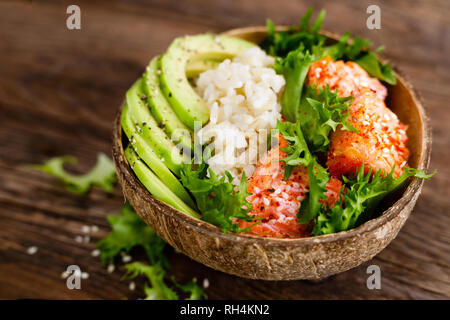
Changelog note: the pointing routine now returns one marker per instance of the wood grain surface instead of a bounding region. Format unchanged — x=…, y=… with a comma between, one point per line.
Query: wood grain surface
x=59, y=90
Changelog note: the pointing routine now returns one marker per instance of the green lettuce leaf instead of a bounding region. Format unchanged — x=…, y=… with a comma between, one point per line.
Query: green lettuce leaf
x=103, y=174
x=360, y=199
x=294, y=69
x=280, y=43
x=322, y=111
x=129, y=231
x=218, y=199
x=283, y=43
x=157, y=290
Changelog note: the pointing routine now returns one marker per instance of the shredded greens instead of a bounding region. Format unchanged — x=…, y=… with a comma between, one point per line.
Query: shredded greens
x=103, y=174
x=218, y=199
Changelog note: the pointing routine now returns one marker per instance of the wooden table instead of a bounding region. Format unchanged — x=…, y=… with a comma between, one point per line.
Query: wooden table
x=59, y=91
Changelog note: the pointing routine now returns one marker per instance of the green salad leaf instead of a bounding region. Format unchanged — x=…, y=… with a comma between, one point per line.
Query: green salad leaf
x=294, y=68
x=281, y=43
x=322, y=111
x=129, y=231
x=358, y=50
x=156, y=288
x=311, y=205
x=359, y=198
x=299, y=154
x=103, y=174
x=218, y=199
x=193, y=289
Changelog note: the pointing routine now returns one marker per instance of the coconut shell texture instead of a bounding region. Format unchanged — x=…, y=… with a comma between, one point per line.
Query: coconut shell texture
x=311, y=258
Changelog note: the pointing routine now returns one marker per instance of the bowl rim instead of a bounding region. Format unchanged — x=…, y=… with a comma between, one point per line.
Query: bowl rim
x=204, y=227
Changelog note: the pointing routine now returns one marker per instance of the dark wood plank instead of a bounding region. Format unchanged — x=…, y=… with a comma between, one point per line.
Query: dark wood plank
x=59, y=91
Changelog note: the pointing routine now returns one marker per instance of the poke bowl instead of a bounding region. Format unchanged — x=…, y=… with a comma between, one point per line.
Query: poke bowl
x=253, y=256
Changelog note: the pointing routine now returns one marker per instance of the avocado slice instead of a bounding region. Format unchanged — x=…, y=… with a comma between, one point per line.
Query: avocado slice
x=146, y=153
x=155, y=136
x=161, y=109
x=156, y=187
x=186, y=103
x=195, y=67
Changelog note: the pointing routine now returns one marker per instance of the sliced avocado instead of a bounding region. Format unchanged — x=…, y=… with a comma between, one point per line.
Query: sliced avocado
x=146, y=153
x=161, y=109
x=156, y=138
x=195, y=67
x=158, y=189
x=186, y=103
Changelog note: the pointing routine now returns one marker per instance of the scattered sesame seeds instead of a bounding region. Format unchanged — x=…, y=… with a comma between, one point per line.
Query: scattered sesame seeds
x=32, y=250
x=205, y=283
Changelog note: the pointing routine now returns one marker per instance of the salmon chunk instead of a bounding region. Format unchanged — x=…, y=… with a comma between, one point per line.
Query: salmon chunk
x=380, y=142
x=347, y=77
x=277, y=201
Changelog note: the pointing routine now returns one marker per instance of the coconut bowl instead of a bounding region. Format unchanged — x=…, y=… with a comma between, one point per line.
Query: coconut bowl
x=311, y=258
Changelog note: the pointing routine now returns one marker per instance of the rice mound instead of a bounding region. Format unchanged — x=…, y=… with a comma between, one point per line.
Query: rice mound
x=243, y=96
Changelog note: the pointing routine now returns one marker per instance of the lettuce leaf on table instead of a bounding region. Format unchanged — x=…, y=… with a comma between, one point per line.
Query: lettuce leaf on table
x=103, y=174
x=130, y=231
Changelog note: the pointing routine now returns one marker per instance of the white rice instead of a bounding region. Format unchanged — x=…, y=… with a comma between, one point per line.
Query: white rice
x=244, y=100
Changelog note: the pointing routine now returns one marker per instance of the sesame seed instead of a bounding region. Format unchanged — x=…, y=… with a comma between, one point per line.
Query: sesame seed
x=132, y=286
x=32, y=250
x=95, y=253
x=86, y=239
x=79, y=239
x=85, y=229
x=94, y=228
x=84, y=275
x=205, y=283
x=126, y=258
x=111, y=268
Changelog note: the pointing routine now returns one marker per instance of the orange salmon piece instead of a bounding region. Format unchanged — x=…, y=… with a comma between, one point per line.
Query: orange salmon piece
x=347, y=77
x=380, y=142
x=277, y=200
